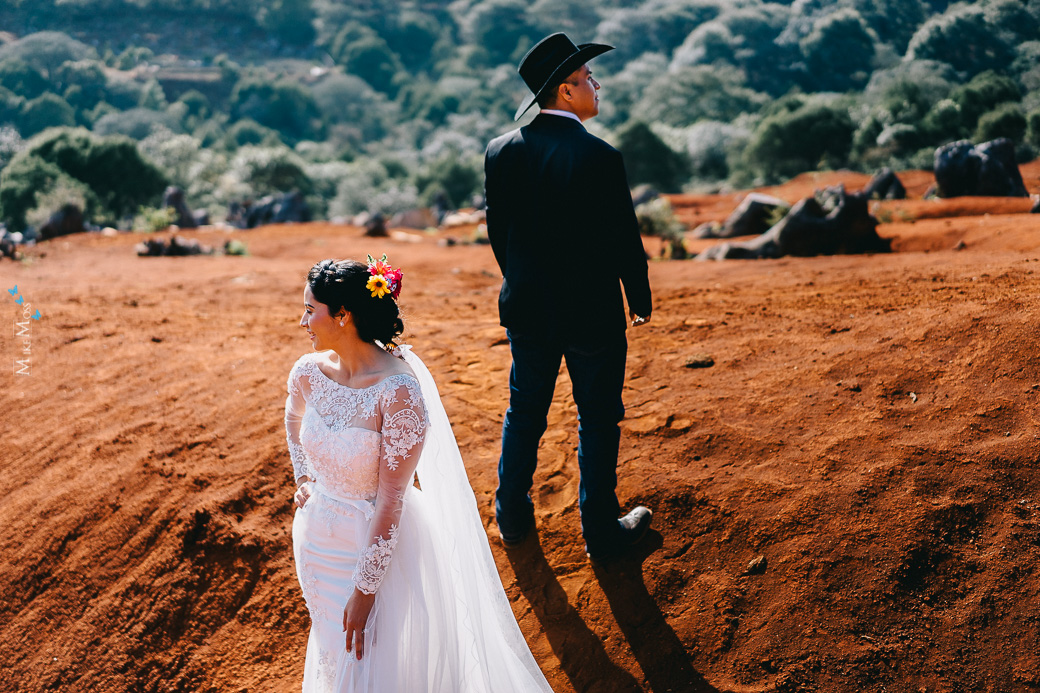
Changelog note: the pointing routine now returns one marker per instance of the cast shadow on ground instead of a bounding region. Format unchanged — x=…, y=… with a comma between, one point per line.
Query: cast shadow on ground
x=582, y=656
x=661, y=655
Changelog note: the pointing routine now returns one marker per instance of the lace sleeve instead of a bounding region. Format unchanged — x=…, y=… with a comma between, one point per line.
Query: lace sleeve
x=295, y=406
x=403, y=430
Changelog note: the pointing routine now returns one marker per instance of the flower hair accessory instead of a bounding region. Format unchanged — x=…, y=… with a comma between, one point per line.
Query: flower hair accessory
x=384, y=280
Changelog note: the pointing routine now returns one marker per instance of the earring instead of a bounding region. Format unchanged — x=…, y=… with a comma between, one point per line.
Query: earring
x=341, y=323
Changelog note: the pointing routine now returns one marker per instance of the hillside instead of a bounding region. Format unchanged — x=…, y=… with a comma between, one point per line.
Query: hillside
x=867, y=427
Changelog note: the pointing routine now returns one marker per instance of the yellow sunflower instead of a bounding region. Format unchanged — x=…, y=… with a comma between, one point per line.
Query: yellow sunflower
x=378, y=285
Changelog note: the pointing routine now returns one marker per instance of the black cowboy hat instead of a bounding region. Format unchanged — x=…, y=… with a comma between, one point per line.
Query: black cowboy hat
x=552, y=59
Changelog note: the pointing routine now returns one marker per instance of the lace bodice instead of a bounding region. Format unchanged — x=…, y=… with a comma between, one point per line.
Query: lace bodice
x=357, y=443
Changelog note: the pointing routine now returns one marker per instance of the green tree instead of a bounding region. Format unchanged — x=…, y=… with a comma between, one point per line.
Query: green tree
x=412, y=38
x=458, y=179
x=137, y=123
x=47, y=50
x=696, y=93
x=649, y=160
x=502, y=30
x=982, y=94
x=811, y=136
x=19, y=182
x=839, y=51
x=22, y=78
x=112, y=167
x=47, y=111
x=963, y=38
x=281, y=105
x=292, y=21
x=371, y=59
x=894, y=21
x=82, y=82
x=1007, y=120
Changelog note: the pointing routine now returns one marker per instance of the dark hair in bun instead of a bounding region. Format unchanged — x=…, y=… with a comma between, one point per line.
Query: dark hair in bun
x=342, y=284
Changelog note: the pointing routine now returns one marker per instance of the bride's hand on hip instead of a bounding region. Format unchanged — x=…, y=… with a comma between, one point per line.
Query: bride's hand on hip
x=355, y=616
x=303, y=492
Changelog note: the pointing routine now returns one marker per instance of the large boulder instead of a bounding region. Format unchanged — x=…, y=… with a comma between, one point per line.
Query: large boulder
x=988, y=170
x=421, y=218
x=832, y=223
x=282, y=208
x=176, y=247
x=173, y=198
x=67, y=220
x=752, y=217
x=885, y=185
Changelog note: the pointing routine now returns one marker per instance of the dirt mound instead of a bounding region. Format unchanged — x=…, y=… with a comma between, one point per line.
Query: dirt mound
x=867, y=429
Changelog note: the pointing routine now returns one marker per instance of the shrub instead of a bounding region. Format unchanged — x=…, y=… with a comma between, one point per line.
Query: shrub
x=1007, y=120
x=290, y=20
x=64, y=191
x=839, y=51
x=787, y=143
x=20, y=181
x=710, y=145
x=46, y=50
x=649, y=160
x=248, y=132
x=22, y=78
x=152, y=219
x=1033, y=128
x=47, y=111
x=283, y=106
x=111, y=167
x=458, y=179
x=947, y=37
x=82, y=82
x=696, y=93
x=982, y=94
x=501, y=29
x=270, y=169
x=656, y=218
x=137, y=123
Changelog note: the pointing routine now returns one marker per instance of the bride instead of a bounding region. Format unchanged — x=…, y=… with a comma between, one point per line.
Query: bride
x=398, y=577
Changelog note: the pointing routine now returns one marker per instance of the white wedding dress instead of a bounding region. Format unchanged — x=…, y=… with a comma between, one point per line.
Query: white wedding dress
x=441, y=622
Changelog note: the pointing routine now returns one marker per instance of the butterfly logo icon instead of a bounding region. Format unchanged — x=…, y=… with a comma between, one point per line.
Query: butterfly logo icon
x=20, y=300
x=14, y=291
x=37, y=316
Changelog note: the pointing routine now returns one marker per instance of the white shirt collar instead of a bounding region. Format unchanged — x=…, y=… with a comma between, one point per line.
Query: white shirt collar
x=565, y=114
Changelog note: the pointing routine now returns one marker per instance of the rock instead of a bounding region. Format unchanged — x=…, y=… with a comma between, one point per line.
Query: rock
x=200, y=217
x=989, y=169
x=173, y=198
x=421, y=218
x=375, y=226
x=757, y=566
x=885, y=185
x=67, y=220
x=752, y=216
x=832, y=223
x=643, y=193
x=1035, y=209
x=709, y=229
x=8, y=248
x=281, y=208
x=176, y=247
x=699, y=361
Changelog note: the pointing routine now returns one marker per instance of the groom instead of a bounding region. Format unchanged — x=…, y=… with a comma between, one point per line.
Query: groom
x=562, y=227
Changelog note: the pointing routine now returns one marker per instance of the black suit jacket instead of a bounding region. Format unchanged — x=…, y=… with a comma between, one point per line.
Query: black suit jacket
x=562, y=226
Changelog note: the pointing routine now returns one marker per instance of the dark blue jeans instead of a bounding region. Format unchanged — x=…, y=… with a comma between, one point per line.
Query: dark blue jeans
x=597, y=373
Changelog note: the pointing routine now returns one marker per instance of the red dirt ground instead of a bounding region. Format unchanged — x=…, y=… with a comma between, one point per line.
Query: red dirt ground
x=868, y=427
